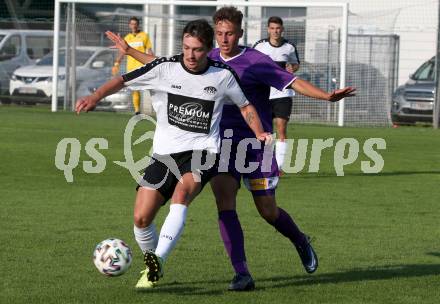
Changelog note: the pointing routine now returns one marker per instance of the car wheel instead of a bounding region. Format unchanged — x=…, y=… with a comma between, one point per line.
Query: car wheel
x=5, y=101
x=400, y=121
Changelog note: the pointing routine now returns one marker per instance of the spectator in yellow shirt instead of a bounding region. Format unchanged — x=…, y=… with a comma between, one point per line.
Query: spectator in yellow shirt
x=140, y=41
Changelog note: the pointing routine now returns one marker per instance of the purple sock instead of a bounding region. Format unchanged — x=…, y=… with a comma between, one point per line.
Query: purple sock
x=232, y=235
x=287, y=227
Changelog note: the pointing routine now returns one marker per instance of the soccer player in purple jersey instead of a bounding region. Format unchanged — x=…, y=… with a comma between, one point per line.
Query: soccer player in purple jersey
x=257, y=73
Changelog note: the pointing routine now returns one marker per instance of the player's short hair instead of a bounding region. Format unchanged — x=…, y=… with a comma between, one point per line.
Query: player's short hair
x=134, y=19
x=275, y=19
x=228, y=13
x=201, y=30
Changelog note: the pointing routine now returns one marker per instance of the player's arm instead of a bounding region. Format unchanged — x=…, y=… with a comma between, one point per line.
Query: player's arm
x=88, y=103
x=274, y=76
x=307, y=89
x=252, y=119
x=248, y=111
x=125, y=49
x=139, y=56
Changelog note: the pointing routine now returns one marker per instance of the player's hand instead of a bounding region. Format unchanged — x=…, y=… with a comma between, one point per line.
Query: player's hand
x=341, y=93
x=115, y=70
x=292, y=67
x=266, y=137
x=119, y=42
x=85, y=104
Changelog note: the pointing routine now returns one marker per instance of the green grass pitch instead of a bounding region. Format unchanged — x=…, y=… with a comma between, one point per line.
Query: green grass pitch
x=377, y=236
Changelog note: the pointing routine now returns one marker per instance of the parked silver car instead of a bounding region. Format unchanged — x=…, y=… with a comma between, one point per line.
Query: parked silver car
x=414, y=101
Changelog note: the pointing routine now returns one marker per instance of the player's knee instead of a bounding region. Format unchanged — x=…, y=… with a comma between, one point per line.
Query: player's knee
x=224, y=199
x=270, y=217
x=225, y=204
x=269, y=214
x=141, y=221
x=181, y=196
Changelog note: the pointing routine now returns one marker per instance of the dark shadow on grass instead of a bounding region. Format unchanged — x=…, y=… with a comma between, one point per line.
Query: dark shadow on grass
x=181, y=289
x=436, y=254
x=394, y=173
x=186, y=290
x=355, y=275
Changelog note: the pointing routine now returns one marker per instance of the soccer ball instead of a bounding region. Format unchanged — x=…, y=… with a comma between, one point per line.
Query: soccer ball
x=112, y=257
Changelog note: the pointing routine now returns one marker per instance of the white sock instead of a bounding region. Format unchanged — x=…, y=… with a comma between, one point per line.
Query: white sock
x=146, y=237
x=171, y=230
x=280, y=152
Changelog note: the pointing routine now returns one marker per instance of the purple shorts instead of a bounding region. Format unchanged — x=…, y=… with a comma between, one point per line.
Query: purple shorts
x=258, y=167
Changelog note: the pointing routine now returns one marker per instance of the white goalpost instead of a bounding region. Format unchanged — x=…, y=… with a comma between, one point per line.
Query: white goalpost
x=319, y=29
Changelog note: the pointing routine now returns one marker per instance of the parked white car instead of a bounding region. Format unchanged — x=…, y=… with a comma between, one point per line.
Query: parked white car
x=20, y=48
x=34, y=83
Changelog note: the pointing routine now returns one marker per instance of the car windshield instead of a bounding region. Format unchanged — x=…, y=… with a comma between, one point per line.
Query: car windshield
x=81, y=57
x=425, y=72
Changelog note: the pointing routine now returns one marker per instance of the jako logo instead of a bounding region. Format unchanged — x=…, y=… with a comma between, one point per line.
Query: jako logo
x=210, y=90
x=175, y=86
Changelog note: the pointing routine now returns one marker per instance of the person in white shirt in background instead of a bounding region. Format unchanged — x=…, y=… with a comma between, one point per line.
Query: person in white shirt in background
x=285, y=54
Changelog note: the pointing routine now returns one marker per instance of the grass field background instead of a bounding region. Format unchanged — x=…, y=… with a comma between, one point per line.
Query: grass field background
x=377, y=236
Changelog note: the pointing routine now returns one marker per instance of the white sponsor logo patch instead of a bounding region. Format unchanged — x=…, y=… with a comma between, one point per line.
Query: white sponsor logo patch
x=136, y=44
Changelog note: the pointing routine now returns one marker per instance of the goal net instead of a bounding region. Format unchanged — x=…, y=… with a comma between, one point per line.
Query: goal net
x=330, y=56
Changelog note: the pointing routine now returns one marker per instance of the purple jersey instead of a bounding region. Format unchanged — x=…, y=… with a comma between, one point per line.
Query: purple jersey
x=257, y=73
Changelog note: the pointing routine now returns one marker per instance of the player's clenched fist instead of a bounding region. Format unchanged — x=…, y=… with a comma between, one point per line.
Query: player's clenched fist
x=266, y=137
x=85, y=104
x=115, y=69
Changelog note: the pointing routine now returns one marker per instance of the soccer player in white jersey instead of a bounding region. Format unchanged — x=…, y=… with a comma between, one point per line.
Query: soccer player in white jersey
x=285, y=54
x=184, y=139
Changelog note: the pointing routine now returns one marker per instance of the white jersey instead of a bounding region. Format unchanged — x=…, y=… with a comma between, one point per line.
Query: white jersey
x=283, y=54
x=188, y=105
